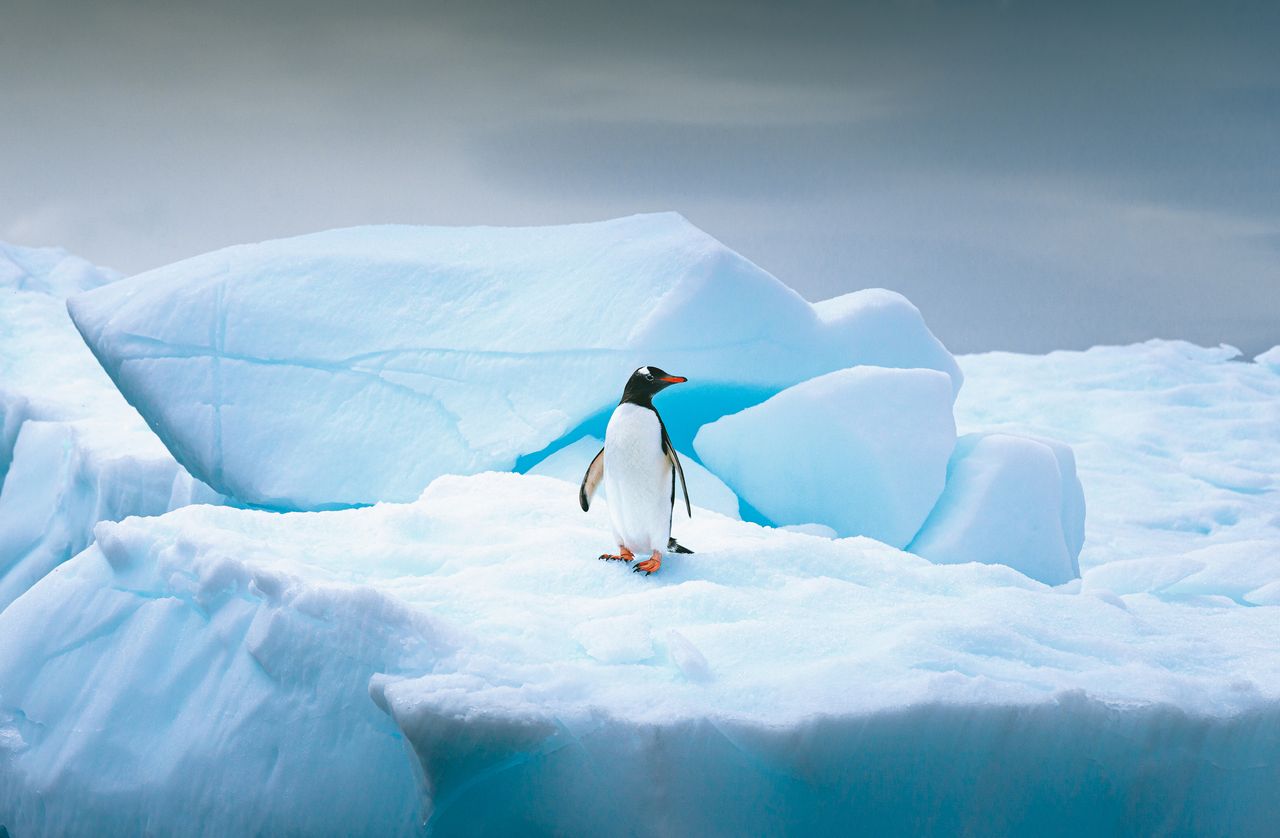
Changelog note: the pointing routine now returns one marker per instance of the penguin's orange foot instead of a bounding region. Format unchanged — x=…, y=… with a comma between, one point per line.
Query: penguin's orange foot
x=624, y=555
x=649, y=565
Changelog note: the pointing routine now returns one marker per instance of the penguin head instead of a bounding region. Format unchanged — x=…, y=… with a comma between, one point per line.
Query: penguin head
x=647, y=382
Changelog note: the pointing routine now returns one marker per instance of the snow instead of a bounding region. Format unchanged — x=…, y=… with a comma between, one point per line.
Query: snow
x=1012, y=500
x=49, y=270
x=1270, y=359
x=286, y=661
x=72, y=452
x=863, y=451
x=1177, y=446
x=198, y=691
x=1242, y=571
x=356, y=365
x=461, y=659
x=706, y=491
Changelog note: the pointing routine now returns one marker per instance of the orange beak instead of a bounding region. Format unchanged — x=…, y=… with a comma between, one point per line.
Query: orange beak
x=673, y=379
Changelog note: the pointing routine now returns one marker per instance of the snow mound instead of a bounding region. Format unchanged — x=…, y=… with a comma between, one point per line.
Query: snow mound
x=261, y=673
x=72, y=451
x=1012, y=500
x=705, y=489
x=863, y=451
x=356, y=365
x=49, y=270
x=1270, y=359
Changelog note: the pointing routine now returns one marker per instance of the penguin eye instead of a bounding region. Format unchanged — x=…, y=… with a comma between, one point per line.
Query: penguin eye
x=648, y=376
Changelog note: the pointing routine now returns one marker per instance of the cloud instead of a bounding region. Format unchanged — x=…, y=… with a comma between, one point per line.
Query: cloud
x=1032, y=175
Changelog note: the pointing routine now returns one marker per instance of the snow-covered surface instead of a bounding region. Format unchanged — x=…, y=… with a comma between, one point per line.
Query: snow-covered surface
x=229, y=649
x=357, y=365
x=774, y=678
x=49, y=270
x=201, y=690
x=1010, y=500
x=706, y=491
x=1270, y=358
x=863, y=451
x=1177, y=446
x=72, y=452
x=464, y=659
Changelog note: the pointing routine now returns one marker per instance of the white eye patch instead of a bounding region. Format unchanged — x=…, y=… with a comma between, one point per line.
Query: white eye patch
x=643, y=371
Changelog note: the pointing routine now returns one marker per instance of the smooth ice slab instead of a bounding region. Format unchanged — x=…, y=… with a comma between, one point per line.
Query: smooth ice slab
x=356, y=365
x=863, y=451
x=264, y=673
x=1010, y=500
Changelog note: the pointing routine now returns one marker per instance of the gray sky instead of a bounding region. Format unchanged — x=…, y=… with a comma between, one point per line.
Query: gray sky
x=1032, y=175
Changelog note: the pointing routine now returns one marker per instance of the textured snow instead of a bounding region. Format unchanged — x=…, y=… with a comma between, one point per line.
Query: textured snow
x=706, y=491
x=226, y=649
x=72, y=452
x=357, y=365
x=49, y=270
x=863, y=451
x=1009, y=500
x=463, y=660
x=1270, y=359
x=202, y=690
x=1154, y=427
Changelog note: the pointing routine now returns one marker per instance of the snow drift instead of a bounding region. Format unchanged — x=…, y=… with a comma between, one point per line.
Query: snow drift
x=357, y=365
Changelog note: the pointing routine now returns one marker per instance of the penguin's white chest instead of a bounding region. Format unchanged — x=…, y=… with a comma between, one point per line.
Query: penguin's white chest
x=637, y=480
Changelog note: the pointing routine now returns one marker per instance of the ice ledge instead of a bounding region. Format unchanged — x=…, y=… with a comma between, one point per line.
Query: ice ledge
x=772, y=672
x=1069, y=764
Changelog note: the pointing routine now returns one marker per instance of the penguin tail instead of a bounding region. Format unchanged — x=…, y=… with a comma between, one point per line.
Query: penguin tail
x=674, y=546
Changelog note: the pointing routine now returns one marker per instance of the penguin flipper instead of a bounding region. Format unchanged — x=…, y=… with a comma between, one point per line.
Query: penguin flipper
x=590, y=481
x=670, y=451
x=674, y=546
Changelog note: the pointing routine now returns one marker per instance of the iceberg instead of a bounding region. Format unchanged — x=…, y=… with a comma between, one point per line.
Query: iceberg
x=72, y=451
x=862, y=450
x=455, y=660
x=1176, y=445
x=1270, y=359
x=49, y=270
x=203, y=693
x=1012, y=500
x=353, y=366
x=449, y=663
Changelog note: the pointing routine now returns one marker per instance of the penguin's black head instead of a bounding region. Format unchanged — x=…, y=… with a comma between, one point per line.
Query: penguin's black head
x=646, y=382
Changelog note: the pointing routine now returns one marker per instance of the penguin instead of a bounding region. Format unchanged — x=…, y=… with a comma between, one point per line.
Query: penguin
x=638, y=466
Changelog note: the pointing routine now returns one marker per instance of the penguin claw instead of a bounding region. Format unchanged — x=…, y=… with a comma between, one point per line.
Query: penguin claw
x=610, y=557
x=648, y=566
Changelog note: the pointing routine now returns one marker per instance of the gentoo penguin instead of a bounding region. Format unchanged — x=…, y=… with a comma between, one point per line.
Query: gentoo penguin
x=638, y=465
